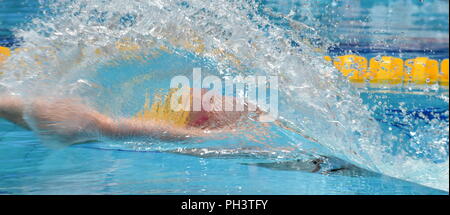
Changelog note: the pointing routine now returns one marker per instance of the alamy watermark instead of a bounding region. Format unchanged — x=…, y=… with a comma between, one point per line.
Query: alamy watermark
x=211, y=93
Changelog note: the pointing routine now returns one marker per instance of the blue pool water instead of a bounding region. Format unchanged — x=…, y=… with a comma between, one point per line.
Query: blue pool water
x=400, y=28
x=30, y=168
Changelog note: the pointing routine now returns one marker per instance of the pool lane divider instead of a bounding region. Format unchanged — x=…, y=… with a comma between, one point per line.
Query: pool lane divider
x=4, y=54
x=378, y=70
x=392, y=70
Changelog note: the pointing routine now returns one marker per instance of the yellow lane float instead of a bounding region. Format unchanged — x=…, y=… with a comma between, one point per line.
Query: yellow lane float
x=386, y=70
x=352, y=66
x=4, y=53
x=391, y=70
x=421, y=71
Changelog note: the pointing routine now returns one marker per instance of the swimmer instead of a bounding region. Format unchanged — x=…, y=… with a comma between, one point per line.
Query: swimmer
x=72, y=122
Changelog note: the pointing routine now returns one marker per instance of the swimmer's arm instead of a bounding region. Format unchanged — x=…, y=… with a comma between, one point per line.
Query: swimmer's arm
x=71, y=121
x=131, y=128
x=11, y=109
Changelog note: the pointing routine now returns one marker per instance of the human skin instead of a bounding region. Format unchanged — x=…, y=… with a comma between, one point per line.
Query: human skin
x=11, y=109
x=71, y=121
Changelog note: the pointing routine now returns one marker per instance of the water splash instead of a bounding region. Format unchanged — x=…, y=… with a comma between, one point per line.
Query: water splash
x=77, y=45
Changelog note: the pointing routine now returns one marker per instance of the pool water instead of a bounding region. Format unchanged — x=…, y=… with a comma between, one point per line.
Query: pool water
x=30, y=168
x=369, y=28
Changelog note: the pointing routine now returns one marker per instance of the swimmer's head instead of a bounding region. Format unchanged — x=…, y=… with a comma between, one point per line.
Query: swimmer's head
x=161, y=110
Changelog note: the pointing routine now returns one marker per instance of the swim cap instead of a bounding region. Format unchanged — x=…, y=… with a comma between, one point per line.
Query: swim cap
x=161, y=110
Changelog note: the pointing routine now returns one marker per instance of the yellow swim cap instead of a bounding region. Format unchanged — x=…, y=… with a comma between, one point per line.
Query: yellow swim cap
x=161, y=110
